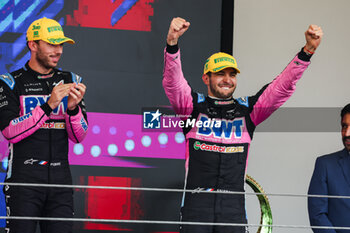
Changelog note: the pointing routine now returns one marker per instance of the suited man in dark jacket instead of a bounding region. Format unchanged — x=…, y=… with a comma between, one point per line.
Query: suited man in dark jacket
x=332, y=177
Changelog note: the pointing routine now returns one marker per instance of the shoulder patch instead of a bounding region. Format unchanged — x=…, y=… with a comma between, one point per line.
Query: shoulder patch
x=200, y=98
x=76, y=78
x=243, y=101
x=8, y=79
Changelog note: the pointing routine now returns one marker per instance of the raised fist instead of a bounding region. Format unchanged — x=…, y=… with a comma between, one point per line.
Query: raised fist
x=313, y=36
x=178, y=27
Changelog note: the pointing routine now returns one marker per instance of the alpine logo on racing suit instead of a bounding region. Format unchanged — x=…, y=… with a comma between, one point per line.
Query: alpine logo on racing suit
x=227, y=129
x=214, y=148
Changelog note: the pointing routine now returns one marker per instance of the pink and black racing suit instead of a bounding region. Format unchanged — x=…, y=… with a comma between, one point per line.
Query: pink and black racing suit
x=217, y=154
x=38, y=142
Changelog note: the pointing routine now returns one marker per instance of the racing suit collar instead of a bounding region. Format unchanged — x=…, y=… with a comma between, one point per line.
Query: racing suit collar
x=220, y=102
x=37, y=74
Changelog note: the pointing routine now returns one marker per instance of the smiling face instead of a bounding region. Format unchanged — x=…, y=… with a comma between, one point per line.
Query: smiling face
x=221, y=84
x=48, y=55
x=45, y=56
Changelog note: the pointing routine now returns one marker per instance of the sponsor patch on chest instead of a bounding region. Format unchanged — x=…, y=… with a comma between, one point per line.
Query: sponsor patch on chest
x=227, y=129
x=217, y=148
x=29, y=102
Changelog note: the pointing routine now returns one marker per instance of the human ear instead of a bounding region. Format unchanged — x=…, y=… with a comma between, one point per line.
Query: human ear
x=205, y=79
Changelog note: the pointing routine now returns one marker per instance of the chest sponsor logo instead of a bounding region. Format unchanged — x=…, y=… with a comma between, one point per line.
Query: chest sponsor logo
x=214, y=148
x=32, y=101
x=53, y=125
x=227, y=129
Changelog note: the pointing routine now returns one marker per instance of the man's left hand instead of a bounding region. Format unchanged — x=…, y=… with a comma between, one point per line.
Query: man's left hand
x=76, y=95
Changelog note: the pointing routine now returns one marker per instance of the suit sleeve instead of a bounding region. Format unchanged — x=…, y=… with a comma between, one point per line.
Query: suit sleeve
x=175, y=85
x=273, y=95
x=16, y=127
x=76, y=120
x=318, y=207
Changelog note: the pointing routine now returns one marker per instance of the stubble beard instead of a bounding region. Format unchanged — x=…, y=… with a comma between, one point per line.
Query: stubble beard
x=344, y=143
x=219, y=94
x=44, y=60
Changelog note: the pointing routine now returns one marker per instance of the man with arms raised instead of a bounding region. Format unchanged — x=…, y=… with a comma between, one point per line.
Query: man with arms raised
x=216, y=156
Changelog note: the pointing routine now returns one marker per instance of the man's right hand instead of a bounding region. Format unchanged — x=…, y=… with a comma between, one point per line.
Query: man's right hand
x=313, y=37
x=178, y=27
x=58, y=93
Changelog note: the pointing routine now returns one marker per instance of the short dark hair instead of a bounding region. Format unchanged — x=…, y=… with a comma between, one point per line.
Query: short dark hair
x=345, y=110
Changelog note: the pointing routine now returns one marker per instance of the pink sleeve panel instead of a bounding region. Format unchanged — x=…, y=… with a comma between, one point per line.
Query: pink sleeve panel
x=24, y=126
x=175, y=84
x=76, y=126
x=278, y=91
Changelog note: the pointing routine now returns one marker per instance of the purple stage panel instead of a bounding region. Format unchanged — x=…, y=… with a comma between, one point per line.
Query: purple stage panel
x=113, y=138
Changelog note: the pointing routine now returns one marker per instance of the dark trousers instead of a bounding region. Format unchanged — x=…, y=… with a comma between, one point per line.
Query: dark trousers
x=39, y=202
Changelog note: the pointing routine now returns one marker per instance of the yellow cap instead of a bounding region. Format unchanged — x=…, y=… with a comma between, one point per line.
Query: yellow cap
x=220, y=61
x=48, y=30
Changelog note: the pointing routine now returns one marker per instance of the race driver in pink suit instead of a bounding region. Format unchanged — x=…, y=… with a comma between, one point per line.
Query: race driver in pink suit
x=217, y=152
x=40, y=108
